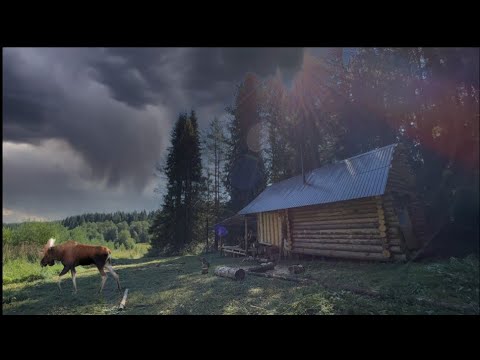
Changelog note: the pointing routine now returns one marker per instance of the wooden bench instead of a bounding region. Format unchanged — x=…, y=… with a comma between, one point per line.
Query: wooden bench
x=235, y=250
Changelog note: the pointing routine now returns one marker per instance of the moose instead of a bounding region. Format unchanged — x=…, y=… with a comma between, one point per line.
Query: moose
x=72, y=254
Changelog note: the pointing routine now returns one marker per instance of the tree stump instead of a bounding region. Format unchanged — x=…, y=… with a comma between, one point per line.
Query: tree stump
x=296, y=269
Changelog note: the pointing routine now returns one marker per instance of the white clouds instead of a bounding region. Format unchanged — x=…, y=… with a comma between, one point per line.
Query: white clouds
x=12, y=216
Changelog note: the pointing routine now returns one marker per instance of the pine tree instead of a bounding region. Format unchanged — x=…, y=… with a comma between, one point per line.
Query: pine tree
x=215, y=141
x=245, y=171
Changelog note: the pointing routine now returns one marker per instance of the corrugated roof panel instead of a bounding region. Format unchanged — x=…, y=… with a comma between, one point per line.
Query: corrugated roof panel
x=360, y=176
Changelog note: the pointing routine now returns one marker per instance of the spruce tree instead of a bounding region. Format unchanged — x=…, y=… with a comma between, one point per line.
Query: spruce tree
x=176, y=225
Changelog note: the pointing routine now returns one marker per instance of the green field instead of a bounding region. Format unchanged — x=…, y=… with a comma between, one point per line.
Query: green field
x=175, y=285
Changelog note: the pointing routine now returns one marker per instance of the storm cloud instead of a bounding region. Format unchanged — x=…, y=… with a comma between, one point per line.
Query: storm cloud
x=84, y=127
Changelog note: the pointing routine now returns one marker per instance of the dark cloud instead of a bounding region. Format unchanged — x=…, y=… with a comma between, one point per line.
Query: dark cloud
x=62, y=101
x=26, y=102
x=211, y=69
x=135, y=76
x=114, y=107
x=147, y=76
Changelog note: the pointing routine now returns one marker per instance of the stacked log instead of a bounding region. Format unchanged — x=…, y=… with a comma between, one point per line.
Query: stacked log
x=356, y=229
x=386, y=250
x=394, y=235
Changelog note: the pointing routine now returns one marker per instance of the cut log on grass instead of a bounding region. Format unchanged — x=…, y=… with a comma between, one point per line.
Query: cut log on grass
x=228, y=272
x=124, y=300
x=262, y=267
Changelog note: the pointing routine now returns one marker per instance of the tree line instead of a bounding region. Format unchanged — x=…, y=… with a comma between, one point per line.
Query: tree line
x=119, y=216
x=337, y=107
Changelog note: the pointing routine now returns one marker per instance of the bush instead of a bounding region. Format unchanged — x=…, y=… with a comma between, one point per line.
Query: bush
x=36, y=233
x=129, y=244
x=7, y=235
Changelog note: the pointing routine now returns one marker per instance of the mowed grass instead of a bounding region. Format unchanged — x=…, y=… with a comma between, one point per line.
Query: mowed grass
x=175, y=286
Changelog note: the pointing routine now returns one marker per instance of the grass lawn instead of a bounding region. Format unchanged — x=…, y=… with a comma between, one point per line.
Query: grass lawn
x=175, y=285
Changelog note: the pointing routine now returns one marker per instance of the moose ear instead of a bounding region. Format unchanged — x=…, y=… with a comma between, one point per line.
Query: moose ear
x=50, y=242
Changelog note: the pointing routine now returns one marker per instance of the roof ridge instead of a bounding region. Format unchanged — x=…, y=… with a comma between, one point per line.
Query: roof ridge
x=331, y=164
x=369, y=152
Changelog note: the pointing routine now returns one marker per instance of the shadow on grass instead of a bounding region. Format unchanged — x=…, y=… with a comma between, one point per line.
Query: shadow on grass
x=175, y=286
x=28, y=278
x=156, y=286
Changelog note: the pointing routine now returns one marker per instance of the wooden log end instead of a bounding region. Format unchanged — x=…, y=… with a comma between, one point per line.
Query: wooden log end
x=232, y=273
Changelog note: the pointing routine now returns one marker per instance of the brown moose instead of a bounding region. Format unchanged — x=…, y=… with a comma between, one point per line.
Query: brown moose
x=72, y=254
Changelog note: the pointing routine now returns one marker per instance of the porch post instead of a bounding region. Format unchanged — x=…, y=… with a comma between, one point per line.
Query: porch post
x=246, y=236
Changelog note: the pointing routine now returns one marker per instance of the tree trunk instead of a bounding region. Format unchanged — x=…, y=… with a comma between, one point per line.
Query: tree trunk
x=262, y=267
x=232, y=273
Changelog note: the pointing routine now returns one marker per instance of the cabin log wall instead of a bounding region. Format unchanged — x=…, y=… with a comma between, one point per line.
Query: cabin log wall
x=356, y=229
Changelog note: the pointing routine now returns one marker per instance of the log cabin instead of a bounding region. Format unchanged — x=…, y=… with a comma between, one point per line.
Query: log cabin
x=364, y=207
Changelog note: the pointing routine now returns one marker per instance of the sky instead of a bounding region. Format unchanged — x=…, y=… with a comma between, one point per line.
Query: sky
x=83, y=128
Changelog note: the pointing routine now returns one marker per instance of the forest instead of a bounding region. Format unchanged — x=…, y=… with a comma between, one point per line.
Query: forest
x=336, y=107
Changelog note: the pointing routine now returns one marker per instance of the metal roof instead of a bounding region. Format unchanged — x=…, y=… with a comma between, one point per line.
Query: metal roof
x=360, y=176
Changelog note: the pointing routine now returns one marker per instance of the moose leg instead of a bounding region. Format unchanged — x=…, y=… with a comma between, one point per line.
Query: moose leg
x=63, y=272
x=74, y=277
x=114, y=274
x=104, y=278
